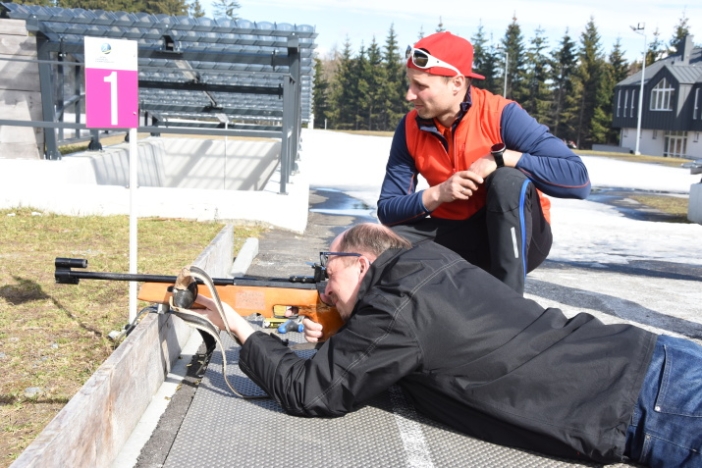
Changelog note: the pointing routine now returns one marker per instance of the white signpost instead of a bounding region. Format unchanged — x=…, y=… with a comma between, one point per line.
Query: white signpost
x=112, y=101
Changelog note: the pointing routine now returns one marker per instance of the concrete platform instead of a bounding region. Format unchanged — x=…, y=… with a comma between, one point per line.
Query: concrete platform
x=387, y=431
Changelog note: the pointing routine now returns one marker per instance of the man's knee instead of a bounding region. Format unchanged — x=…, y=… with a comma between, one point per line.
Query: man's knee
x=506, y=189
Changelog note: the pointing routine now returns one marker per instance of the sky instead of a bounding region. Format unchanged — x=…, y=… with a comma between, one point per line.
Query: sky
x=361, y=20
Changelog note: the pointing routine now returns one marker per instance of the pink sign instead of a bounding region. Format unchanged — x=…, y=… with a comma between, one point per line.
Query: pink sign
x=111, y=98
x=111, y=83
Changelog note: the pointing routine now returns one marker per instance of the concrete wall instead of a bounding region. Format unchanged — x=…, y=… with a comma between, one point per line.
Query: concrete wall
x=20, y=98
x=611, y=148
x=94, y=425
x=694, y=207
x=656, y=146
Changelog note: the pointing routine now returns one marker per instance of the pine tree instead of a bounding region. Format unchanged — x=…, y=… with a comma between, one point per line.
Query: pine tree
x=587, y=82
x=196, y=10
x=320, y=98
x=513, y=44
x=484, y=61
x=563, y=63
x=361, y=71
x=615, y=70
x=107, y=5
x=375, y=79
x=682, y=30
x=394, y=87
x=343, y=95
x=537, y=101
x=225, y=8
x=167, y=7
x=656, y=48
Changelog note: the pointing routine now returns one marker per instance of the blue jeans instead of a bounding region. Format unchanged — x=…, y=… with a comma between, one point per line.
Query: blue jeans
x=666, y=427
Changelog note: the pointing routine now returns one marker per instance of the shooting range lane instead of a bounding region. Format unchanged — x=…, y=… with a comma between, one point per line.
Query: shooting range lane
x=222, y=430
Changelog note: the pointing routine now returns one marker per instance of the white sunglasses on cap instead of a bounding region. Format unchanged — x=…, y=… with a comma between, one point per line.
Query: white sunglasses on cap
x=423, y=60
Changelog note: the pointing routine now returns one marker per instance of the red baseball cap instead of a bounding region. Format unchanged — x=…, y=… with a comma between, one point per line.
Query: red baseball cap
x=453, y=50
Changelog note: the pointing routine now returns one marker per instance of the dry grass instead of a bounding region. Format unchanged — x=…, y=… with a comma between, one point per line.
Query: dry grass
x=53, y=337
x=674, y=206
x=642, y=158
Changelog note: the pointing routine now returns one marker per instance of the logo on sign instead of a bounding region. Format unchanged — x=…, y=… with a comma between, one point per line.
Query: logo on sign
x=105, y=48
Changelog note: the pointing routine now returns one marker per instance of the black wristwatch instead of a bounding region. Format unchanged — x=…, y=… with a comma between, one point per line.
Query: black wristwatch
x=497, y=151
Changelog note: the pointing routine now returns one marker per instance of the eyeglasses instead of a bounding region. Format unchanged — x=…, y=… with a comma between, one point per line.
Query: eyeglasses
x=324, y=258
x=423, y=60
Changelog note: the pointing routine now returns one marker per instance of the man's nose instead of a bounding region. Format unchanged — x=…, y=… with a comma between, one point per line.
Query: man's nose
x=410, y=95
x=326, y=295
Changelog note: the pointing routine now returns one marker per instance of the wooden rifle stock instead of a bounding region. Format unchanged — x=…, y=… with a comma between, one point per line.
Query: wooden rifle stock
x=267, y=301
x=268, y=297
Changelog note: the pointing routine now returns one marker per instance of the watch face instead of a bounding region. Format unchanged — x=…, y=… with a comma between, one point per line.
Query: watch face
x=498, y=147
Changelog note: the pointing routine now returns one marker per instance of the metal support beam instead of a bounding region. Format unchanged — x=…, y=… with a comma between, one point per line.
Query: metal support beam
x=46, y=87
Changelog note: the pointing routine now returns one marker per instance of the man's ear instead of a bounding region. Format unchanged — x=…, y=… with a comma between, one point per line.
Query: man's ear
x=458, y=82
x=365, y=265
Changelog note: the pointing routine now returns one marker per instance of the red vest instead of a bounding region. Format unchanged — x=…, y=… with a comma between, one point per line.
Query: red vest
x=477, y=131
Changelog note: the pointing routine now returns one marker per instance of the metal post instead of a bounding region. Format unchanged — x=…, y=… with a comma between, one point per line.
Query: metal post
x=47, y=97
x=133, y=204
x=504, y=94
x=296, y=73
x=640, y=27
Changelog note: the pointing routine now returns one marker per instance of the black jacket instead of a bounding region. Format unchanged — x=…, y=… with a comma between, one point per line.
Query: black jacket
x=471, y=353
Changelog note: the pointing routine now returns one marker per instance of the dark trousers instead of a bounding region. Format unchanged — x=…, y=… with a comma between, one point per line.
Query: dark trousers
x=508, y=238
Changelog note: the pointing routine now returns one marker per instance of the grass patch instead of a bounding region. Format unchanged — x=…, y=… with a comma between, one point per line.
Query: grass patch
x=52, y=336
x=676, y=207
x=660, y=160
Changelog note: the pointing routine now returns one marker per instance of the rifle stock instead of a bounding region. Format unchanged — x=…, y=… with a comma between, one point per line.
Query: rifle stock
x=270, y=297
x=267, y=301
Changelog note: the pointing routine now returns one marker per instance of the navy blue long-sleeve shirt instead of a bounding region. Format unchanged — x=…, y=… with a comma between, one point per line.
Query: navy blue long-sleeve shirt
x=546, y=161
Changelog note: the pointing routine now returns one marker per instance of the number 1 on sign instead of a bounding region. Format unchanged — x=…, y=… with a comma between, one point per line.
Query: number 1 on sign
x=112, y=79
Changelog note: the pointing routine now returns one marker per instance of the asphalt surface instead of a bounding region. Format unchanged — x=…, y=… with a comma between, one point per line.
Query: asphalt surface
x=657, y=295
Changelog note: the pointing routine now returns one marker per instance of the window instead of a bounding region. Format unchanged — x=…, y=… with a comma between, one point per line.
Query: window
x=675, y=143
x=633, y=102
x=626, y=101
x=619, y=101
x=696, y=105
x=662, y=96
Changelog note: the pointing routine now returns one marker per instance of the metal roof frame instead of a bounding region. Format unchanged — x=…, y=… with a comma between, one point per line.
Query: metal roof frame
x=254, y=73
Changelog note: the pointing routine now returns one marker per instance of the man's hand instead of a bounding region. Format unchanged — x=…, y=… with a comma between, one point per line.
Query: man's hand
x=313, y=330
x=484, y=166
x=238, y=325
x=460, y=186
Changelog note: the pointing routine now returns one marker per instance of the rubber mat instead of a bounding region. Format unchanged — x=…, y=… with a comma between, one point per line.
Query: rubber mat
x=221, y=430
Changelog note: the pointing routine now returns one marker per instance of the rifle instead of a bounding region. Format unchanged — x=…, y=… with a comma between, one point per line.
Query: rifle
x=275, y=299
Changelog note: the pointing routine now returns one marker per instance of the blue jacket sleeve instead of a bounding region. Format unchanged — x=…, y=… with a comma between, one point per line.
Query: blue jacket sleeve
x=398, y=202
x=546, y=160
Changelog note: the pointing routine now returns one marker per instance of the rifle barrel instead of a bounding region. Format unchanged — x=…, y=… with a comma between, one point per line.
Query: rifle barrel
x=65, y=275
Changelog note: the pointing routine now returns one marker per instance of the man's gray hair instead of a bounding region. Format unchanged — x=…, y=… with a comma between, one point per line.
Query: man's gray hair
x=371, y=238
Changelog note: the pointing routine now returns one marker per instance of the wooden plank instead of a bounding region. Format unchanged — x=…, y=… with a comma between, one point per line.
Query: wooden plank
x=18, y=45
x=20, y=105
x=13, y=27
x=18, y=76
x=19, y=150
x=21, y=142
x=91, y=429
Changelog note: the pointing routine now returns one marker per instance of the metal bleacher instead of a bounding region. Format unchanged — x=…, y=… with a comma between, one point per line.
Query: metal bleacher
x=196, y=75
